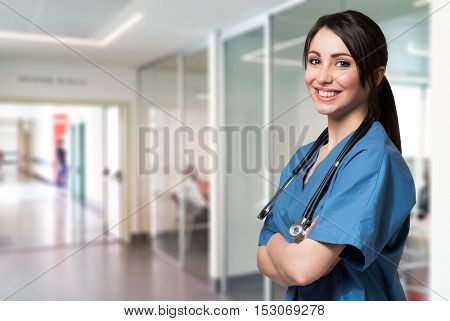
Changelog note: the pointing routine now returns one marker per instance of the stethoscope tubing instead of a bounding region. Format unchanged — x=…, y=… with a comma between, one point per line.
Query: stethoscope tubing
x=305, y=219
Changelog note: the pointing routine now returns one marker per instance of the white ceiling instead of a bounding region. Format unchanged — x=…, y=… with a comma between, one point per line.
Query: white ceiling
x=60, y=17
x=166, y=26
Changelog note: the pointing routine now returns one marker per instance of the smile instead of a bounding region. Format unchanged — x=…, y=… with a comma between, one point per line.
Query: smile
x=327, y=95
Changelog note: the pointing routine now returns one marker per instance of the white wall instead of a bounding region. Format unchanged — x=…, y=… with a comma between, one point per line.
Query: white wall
x=94, y=84
x=440, y=171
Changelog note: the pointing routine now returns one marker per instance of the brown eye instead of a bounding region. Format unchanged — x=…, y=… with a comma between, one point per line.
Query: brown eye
x=345, y=63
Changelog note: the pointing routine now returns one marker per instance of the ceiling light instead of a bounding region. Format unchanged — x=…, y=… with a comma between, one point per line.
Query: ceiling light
x=113, y=35
x=421, y=3
x=122, y=28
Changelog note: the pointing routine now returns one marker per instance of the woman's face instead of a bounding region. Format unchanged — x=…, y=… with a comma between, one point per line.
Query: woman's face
x=332, y=77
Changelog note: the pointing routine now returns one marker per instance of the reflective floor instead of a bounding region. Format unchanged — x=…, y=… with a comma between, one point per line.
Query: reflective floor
x=196, y=258
x=101, y=271
x=34, y=214
x=43, y=253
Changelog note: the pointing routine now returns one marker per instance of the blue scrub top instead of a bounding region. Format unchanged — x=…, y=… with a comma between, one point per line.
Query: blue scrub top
x=366, y=206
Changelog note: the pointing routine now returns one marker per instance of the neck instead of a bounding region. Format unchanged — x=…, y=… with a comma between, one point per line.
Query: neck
x=339, y=128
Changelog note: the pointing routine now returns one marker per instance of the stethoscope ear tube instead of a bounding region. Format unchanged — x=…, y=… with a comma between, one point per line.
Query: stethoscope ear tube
x=313, y=203
x=319, y=141
x=323, y=137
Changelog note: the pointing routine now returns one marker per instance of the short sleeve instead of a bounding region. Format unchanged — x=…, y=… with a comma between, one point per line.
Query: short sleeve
x=370, y=199
x=268, y=230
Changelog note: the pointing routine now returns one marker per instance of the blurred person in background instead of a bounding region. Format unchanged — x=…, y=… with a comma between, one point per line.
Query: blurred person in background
x=61, y=176
x=192, y=194
x=423, y=205
x=2, y=159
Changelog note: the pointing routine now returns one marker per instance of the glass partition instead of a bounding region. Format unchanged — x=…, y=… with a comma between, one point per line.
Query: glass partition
x=196, y=232
x=243, y=91
x=159, y=86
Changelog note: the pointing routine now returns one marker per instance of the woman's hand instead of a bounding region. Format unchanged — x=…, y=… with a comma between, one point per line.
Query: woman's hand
x=312, y=225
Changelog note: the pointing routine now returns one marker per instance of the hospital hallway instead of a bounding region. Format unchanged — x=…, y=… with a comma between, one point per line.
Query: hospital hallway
x=34, y=215
x=140, y=140
x=43, y=254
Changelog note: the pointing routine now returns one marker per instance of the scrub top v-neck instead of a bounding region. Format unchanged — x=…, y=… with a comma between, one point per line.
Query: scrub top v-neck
x=366, y=207
x=308, y=167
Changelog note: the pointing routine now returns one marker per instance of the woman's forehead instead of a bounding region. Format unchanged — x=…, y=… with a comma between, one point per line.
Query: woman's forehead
x=325, y=42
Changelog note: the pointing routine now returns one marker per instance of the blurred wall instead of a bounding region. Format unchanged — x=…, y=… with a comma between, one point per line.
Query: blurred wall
x=8, y=137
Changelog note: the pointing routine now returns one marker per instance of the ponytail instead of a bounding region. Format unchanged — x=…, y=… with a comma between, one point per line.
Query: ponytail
x=384, y=110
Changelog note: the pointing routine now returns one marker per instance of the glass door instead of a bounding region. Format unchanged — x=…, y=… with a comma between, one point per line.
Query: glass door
x=196, y=209
x=160, y=87
x=243, y=98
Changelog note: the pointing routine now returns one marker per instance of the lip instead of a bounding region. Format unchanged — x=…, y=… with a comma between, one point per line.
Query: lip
x=316, y=90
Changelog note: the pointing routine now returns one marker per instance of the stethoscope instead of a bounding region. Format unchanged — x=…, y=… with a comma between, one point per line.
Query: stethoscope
x=298, y=230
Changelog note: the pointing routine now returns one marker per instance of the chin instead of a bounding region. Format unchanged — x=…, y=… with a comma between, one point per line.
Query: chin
x=332, y=111
x=326, y=110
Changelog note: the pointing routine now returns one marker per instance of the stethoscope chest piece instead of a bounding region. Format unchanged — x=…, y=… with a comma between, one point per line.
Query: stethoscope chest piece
x=297, y=232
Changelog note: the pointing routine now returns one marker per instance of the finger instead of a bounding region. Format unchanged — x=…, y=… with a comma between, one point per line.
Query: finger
x=314, y=221
x=312, y=224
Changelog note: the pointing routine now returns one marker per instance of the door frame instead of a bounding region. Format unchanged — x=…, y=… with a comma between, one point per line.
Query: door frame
x=126, y=134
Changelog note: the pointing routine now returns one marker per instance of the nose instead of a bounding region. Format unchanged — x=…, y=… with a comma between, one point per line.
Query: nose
x=325, y=76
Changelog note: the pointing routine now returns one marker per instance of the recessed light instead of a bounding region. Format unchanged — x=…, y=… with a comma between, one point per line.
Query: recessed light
x=113, y=35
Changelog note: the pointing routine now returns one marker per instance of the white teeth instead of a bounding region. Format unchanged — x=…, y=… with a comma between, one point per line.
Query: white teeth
x=328, y=93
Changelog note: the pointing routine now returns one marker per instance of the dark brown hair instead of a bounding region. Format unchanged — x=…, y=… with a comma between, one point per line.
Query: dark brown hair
x=367, y=45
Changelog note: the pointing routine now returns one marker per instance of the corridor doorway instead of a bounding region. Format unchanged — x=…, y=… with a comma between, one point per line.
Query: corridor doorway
x=61, y=174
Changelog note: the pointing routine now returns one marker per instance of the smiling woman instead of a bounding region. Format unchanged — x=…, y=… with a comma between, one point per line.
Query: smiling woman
x=361, y=220
x=332, y=76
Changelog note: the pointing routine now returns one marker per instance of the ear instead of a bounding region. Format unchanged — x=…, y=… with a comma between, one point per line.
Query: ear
x=379, y=73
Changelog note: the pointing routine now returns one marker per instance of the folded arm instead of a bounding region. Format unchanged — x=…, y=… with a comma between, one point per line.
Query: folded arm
x=302, y=263
x=266, y=267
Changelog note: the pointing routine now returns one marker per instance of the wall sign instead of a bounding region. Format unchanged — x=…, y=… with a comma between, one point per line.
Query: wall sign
x=52, y=80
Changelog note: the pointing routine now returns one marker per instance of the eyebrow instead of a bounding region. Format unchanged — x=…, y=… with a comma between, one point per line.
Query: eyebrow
x=333, y=55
